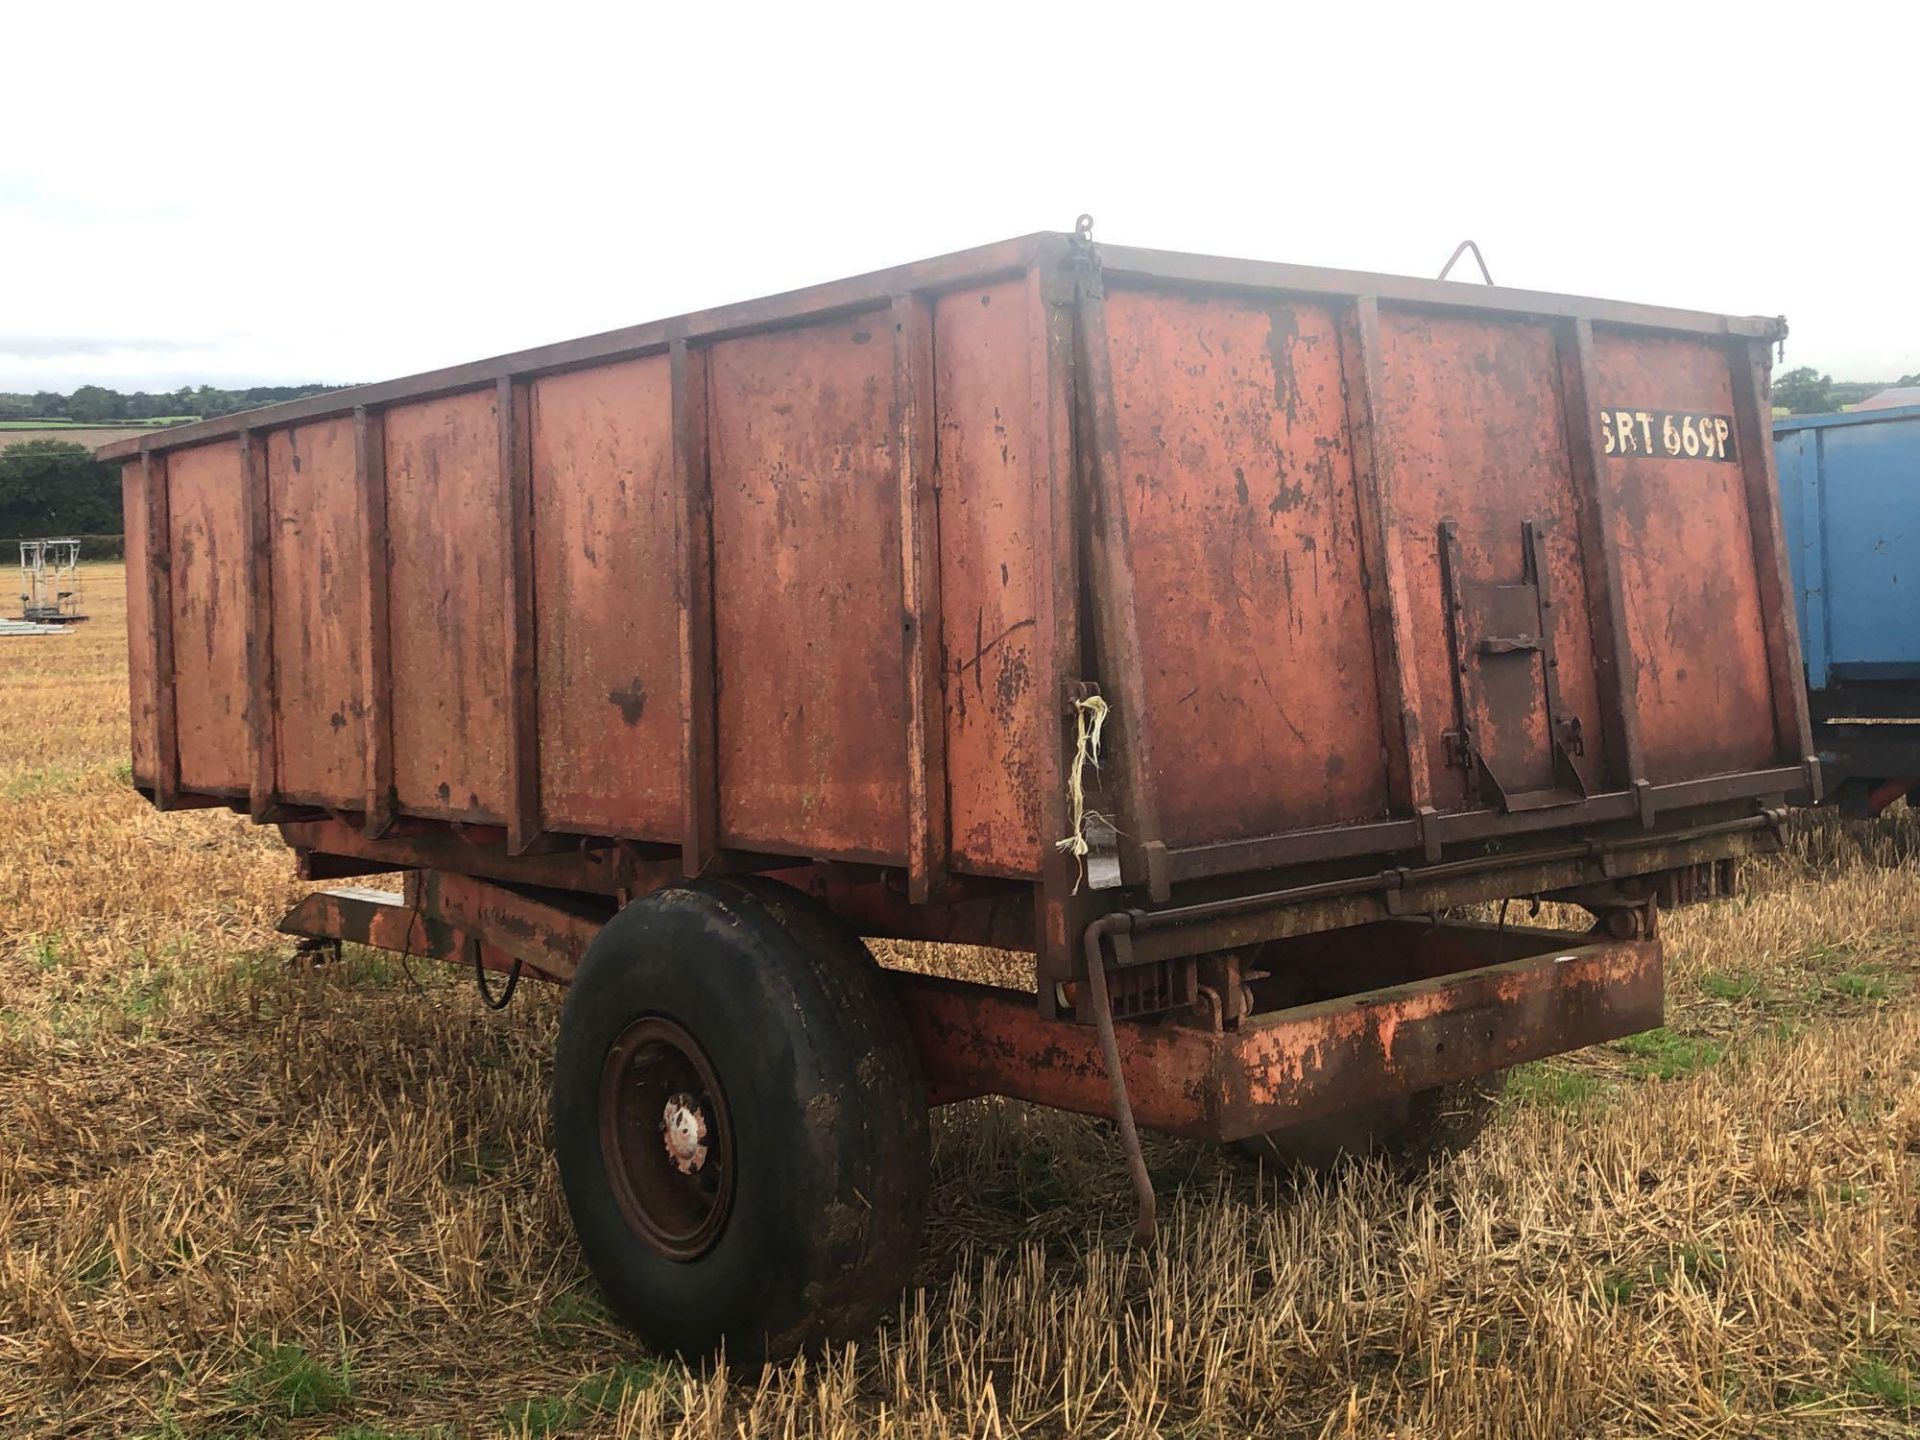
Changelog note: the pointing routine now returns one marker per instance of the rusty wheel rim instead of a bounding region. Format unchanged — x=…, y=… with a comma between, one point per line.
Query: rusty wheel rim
x=666, y=1137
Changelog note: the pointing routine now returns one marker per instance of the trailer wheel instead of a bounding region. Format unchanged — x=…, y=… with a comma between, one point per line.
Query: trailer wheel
x=1412, y=1131
x=740, y=1122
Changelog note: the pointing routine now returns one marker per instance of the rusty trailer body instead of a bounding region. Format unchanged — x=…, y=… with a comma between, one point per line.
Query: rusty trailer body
x=1392, y=596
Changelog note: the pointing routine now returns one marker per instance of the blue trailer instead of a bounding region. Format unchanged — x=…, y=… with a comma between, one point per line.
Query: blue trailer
x=1850, y=493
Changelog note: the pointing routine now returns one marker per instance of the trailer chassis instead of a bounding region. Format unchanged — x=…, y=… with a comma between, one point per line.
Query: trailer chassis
x=1457, y=1000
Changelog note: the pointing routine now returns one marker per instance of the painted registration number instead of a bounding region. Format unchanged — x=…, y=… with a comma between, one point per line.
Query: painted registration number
x=1669, y=434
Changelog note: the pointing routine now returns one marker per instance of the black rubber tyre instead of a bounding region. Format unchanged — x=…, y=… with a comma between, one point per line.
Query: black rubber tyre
x=784, y=1206
x=1413, y=1131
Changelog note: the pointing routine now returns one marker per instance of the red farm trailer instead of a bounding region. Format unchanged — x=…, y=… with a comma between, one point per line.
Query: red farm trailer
x=1205, y=627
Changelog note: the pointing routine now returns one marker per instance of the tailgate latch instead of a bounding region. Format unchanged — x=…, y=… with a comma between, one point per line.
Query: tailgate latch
x=1514, y=737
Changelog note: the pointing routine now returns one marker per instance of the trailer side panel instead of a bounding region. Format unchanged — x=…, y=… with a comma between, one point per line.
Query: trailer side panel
x=318, y=563
x=807, y=590
x=208, y=542
x=993, y=567
x=445, y=537
x=1694, y=615
x=1244, y=524
x=608, y=636
x=1474, y=420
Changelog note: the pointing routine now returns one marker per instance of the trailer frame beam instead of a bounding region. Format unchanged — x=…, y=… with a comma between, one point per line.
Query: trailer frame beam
x=1482, y=1012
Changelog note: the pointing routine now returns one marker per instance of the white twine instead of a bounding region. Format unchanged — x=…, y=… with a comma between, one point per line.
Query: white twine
x=1089, y=718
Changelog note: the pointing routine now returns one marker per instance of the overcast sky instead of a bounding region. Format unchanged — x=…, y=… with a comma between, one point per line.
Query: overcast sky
x=278, y=193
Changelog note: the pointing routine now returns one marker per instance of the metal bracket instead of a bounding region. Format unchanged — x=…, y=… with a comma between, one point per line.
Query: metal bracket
x=1643, y=793
x=1159, y=882
x=1103, y=853
x=1424, y=816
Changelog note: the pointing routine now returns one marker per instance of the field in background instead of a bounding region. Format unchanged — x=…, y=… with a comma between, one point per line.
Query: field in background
x=72, y=432
x=243, y=1198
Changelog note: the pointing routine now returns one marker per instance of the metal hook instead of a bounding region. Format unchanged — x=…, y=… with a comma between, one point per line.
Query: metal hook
x=1461, y=249
x=1083, y=229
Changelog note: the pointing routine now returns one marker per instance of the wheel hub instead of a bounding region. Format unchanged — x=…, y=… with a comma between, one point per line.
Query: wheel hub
x=683, y=1126
x=666, y=1138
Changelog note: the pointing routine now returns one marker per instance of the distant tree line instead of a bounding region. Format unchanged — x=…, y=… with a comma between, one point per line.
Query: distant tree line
x=54, y=487
x=94, y=403
x=1806, y=391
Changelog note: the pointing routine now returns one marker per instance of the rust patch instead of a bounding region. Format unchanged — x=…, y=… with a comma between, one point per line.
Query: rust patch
x=1294, y=1064
x=1283, y=333
x=630, y=700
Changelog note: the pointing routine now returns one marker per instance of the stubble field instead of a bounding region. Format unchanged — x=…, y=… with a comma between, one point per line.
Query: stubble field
x=243, y=1198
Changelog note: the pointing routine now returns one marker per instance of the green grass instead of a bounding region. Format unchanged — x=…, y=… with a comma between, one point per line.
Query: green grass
x=534, y=1419
x=1815, y=954
x=1030, y=1186
x=100, y=1270
x=1859, y=985
x=60, y=780
x=144, y=996
x=287, y=1382
x=1729, y=987
x=377, y=969
x=107, y=1002
x=1616, y=1288
x=478, y=1161
x=1698, y=1263
x=1662, y=1055
x=575, y=1309
x=50, y=952
x=53, y=780
x=168, y=1428
x=1874, y=1379
x=1554, y=1086
x=607, y=1390
x=601, y=1393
